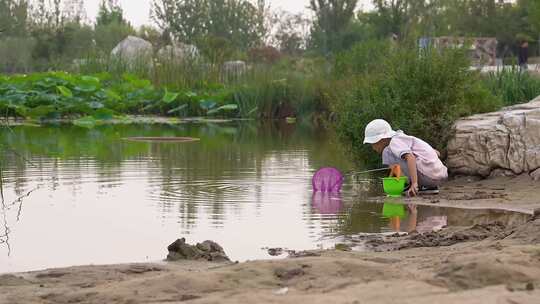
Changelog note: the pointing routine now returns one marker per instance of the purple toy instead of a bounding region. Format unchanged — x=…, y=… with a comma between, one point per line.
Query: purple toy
x=327, y=180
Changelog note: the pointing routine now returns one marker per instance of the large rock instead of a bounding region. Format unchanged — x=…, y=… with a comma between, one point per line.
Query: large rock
x=207, y=250
x=133, y=48
x=179, y=52
x=507, y=140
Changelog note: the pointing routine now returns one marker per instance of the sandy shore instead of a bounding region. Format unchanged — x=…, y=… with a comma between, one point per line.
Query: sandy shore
x=490, y=263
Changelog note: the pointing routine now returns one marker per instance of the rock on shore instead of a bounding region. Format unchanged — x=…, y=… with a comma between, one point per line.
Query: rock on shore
x=207, y=250
x=500, y=143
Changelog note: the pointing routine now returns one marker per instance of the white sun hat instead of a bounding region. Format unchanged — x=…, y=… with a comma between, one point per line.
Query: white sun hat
x=377, y=130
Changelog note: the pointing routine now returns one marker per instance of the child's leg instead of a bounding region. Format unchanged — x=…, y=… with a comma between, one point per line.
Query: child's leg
x=424, y=181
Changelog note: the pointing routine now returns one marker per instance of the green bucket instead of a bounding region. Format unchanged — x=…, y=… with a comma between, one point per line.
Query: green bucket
x=394, y=187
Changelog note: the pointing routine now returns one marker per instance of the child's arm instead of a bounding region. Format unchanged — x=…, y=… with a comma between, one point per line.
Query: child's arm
x=411, y=164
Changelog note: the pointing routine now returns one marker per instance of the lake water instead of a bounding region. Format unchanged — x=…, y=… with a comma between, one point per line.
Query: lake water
x=76, y=196
x=97, y=198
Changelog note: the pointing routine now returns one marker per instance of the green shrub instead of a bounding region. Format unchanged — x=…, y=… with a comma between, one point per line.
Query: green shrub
x=362, y=58
x=421, y=93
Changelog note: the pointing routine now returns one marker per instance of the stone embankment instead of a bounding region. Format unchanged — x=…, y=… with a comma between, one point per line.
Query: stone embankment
x=503, y=143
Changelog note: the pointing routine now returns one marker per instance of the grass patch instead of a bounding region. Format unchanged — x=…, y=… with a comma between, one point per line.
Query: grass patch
x=512, y=85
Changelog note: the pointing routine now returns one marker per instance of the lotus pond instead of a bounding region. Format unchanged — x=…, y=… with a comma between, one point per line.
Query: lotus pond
x=102, y=97
x=76, y=196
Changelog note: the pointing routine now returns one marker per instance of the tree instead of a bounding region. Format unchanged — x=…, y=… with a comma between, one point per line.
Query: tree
x=40, y=14
x=193, y=21
x=290, y=32
x=13, y=17
x=15, y=45
x=332, y=17
x=57, y=13
x=54, y=14
x=532, y=7
x=464, y=18
x=486, y=18
x=153, y=35
x=74, y=11
x=111, y=27
x=110, y=12
x=403, y=17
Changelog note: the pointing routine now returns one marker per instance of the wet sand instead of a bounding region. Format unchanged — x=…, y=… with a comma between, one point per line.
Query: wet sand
x=519, y=194
x=487, y=263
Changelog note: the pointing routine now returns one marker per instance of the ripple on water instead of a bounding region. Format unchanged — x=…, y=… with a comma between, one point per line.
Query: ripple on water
x=246, y=190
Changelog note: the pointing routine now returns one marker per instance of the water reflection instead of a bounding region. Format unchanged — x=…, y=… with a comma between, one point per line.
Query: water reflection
x=327, y=202
x=395, y=213
x=406, y=218
x=102, y=199
x=96, y=198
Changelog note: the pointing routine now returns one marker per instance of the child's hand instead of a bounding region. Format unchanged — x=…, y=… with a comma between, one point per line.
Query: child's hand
x=413, y=190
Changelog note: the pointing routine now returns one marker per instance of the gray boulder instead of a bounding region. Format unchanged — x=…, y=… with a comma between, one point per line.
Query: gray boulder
x=207, y=250
x=133, y=48
x=505, y=141
x=179, y=52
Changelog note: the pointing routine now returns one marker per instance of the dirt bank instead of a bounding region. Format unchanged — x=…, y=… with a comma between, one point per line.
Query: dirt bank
x=488, y=263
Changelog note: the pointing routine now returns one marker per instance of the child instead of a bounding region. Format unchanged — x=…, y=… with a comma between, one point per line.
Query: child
x=418, y=160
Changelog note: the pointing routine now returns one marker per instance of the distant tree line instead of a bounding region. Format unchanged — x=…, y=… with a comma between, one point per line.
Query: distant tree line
x=45, y=34
x=337, y=25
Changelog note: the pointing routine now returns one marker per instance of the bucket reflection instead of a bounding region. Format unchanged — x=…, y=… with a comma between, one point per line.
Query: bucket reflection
x=395, y=213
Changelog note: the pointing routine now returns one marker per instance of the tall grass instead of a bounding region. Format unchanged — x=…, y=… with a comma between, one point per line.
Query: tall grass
x=189, y=74
x=278, y=92
x=259, y=90
x=512, y=85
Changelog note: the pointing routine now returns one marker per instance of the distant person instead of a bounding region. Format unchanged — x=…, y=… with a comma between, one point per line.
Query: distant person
x=418, y=160
x=523, y=56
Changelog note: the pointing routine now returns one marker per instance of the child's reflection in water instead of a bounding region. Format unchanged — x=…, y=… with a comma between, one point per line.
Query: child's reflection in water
x=406, y=218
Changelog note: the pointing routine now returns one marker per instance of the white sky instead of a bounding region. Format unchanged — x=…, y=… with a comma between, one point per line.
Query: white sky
x=137, y=11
